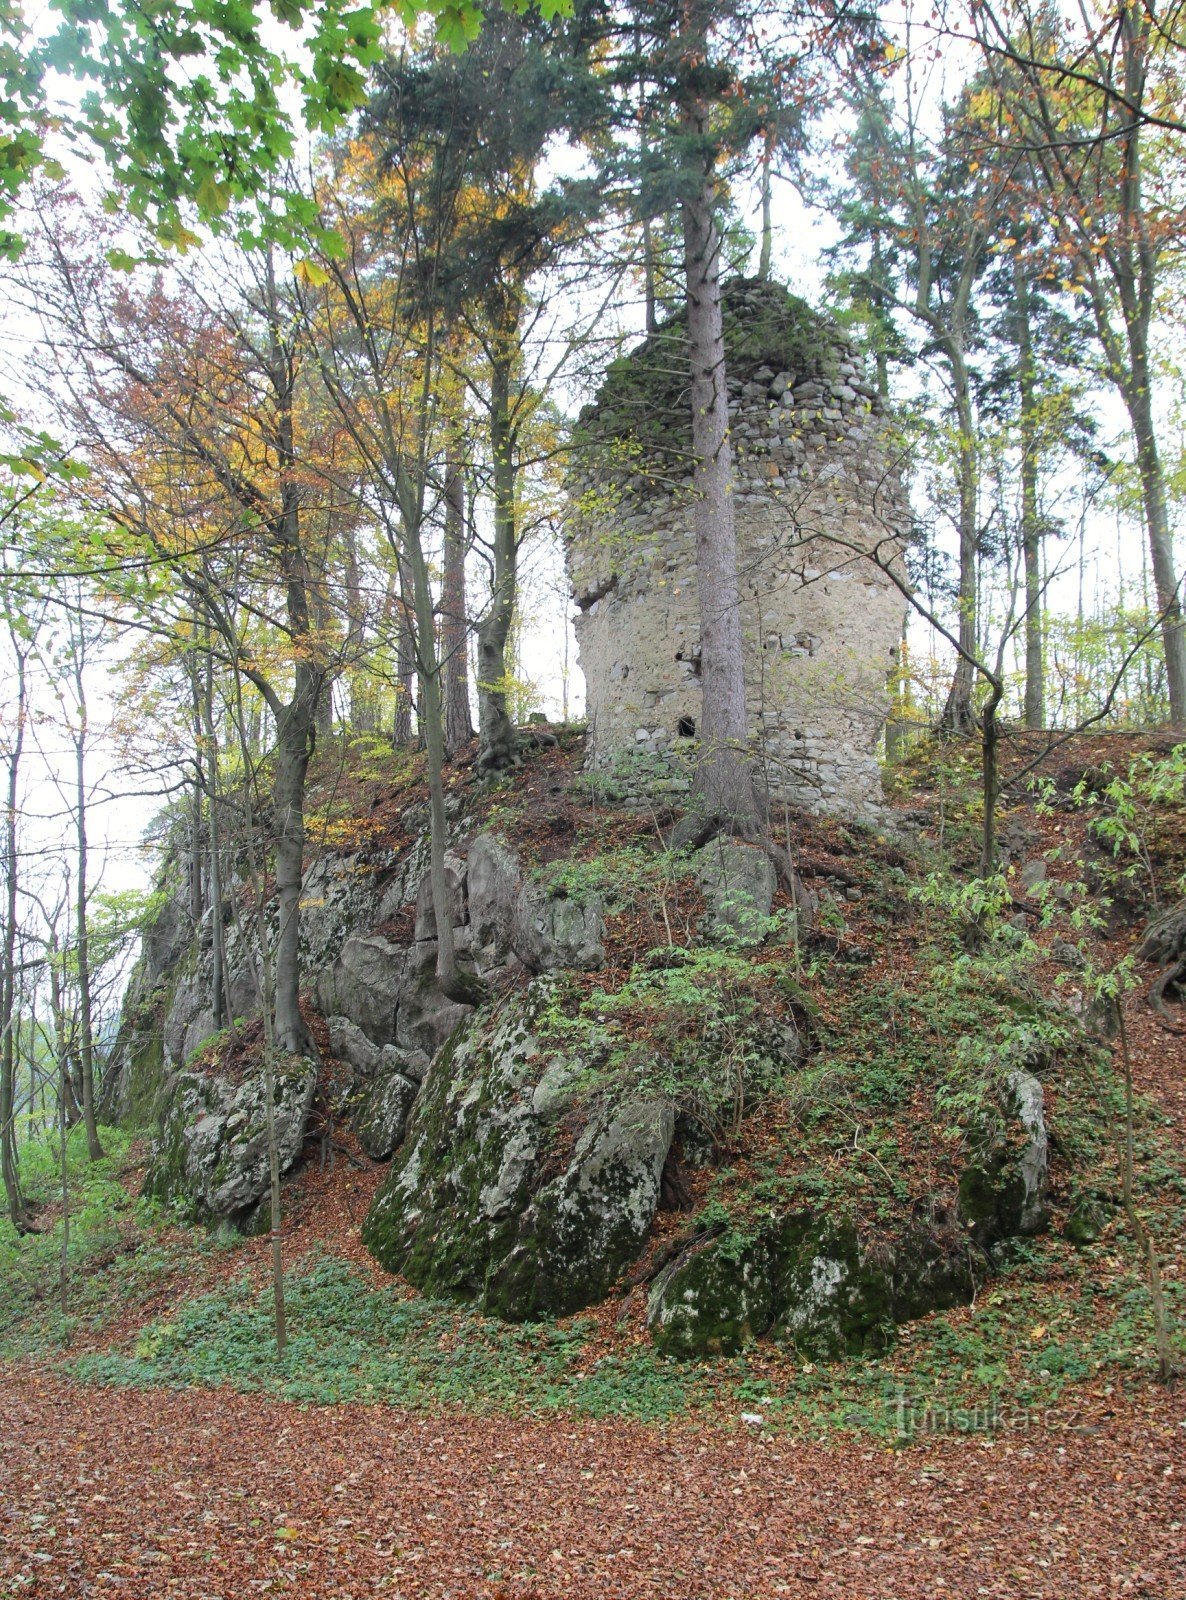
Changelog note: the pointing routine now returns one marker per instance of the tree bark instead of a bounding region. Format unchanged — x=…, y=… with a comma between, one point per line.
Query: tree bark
x=959, y=715
x=724, y=782
x=17, y=1209
x=1161, y=541
x=82, y=952
x=496, y=733
x=1031, y=535
x=459, y=728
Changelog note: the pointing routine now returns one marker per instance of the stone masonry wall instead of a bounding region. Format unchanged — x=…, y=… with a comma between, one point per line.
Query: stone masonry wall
x=815, y=491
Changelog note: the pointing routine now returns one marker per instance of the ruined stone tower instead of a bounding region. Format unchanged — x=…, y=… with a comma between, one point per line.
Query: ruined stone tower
x=816, y=492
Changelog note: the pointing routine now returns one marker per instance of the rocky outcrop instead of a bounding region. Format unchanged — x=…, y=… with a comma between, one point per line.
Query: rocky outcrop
x=739, y=884
x=210, y=1158
x=811, y=1277
x=521, y=1183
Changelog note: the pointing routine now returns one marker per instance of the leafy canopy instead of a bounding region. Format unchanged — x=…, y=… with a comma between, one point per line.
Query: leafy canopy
x=184, y=101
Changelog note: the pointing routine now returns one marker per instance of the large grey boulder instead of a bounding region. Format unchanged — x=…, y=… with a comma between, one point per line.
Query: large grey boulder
x=364, y=984
x=522, y=1182
x=351, y=1045
x=493, y=879
x=739, y=884
x=211, y=1154
x=549, y=933
x=383, y=1108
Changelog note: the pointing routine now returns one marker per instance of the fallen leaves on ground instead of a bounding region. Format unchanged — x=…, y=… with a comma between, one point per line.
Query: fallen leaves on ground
x=213, y=1496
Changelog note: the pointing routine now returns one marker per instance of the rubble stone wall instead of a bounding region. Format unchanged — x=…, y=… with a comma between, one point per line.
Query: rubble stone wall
x=816, y=495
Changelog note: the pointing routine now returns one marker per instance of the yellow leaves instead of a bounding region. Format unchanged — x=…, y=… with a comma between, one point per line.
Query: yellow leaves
x=312, y=273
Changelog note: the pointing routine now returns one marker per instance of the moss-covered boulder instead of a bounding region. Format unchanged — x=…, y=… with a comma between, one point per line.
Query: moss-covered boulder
x=210, y=1157
x=811, y=1280
x=521, y=1183
x=1002, y=1190
x=831, y=1288
x=382, y=1114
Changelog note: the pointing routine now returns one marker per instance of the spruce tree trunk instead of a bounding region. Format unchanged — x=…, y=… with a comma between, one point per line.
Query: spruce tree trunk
x=767, y=250
x=496, y=732
x=1035, y=687
x=454, y=622
x=724, y=783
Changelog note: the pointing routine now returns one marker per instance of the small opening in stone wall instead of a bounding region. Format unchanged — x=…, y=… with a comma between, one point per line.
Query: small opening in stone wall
x=693, y=662
x=686, y=727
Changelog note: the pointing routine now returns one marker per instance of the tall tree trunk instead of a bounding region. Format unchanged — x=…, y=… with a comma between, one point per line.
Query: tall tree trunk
x=294, y=734
x=1166, y=581
x=405, y=665
x=724, y=783
x=82, y=950
x=496, y=733
x=765, y=178
x=959, y=716
x=459, y=728
x=214, y=833
x=461, y=986
x=1035, y=687
x=361, y=709
x=17, y=1210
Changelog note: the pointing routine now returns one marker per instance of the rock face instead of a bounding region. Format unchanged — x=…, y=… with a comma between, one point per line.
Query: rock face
x=739, y=883
x=211, y=1156
x=809, y=1277
x=816, y=492
x=519, y=1185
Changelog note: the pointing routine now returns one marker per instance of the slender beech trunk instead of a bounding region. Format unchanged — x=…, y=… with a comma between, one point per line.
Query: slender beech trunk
x=1166, y=582
x=62, y=1053
x=959, y=715
x=294, y=727
x=459, y=728
x=496, y=732
x=405, y=665
x=1031, y=543
x=17, y=1209
x=724, y=783
x=214, y=835
x=296, y=720
x=458, y=985
x=82, y=948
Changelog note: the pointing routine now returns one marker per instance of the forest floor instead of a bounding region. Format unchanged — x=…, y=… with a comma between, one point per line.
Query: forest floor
x=152, y=1445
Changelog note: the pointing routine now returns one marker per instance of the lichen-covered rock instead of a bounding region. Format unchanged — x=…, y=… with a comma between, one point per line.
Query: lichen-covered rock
x=810, y=1280
x=364, y=984
x=548, y=933
x=1003, y=1189
x=493, y=879
x=816, y=1281
x=211, y=1154
x=518, y=1184
x=739, y=884
x=383, y=1109
x=351, y=1045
